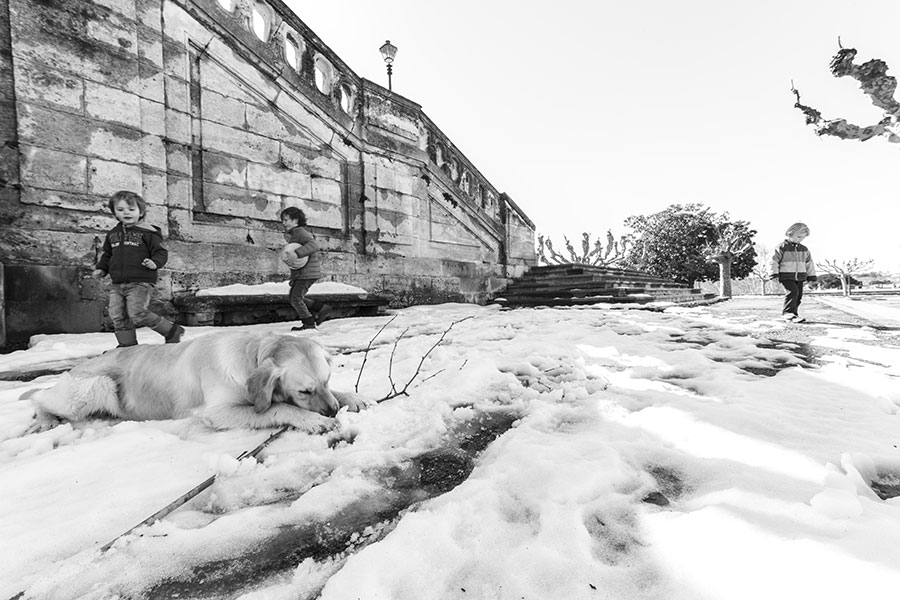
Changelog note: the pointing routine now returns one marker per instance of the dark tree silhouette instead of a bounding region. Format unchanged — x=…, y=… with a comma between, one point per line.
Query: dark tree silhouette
x=686, y=242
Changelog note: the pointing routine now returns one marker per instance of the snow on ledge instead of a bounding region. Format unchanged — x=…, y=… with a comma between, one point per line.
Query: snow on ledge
x=283, y=288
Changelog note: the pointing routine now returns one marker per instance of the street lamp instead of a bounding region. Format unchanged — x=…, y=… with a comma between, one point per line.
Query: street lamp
x=388, y=52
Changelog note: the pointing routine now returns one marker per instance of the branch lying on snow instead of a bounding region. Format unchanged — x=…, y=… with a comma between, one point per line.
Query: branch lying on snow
x=366, y=354
x=403, y=392
x=875, y=83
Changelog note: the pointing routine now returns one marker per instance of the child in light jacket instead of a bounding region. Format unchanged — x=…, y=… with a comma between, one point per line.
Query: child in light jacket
x=792, y=264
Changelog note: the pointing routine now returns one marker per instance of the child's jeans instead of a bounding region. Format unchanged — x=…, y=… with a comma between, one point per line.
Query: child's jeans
x=129, y=306
x=793, y=296
x=299, y=287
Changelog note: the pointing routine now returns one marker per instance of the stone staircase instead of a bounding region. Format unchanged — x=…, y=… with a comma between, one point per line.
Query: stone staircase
x=573, y=285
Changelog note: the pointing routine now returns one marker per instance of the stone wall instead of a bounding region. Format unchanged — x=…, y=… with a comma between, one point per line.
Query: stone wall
x=221, y=113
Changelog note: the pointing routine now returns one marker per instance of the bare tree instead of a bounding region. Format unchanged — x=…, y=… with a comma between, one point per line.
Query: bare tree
x=845, y=270
x=761, y=270
x=732, y=240
x=596, y=254
x=874, y=83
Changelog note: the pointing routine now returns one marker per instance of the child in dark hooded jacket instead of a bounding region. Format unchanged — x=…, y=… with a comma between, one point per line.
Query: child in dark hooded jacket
x=132, y=254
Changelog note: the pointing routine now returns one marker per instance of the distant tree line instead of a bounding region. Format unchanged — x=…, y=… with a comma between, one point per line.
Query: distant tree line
x=690, y=243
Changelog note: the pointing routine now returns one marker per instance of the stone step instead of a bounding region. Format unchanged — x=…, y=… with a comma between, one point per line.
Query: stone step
x=584, y=292
x=594, y=285
x=573, y=285
x=686, y=299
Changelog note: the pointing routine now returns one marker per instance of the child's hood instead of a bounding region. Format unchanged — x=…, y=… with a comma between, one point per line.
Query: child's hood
x=140, y=225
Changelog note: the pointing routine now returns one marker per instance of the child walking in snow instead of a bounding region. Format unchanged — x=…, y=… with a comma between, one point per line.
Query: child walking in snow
x=132, y=253
x=792, y=264
x=302, y=245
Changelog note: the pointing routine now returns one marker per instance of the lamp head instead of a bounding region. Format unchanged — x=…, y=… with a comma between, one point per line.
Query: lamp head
x=388, y=51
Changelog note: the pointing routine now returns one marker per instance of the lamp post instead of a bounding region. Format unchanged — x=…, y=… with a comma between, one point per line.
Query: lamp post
x=388, y=52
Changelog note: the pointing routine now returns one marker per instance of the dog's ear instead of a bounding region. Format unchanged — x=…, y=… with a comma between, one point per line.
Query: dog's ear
x=261, y=385
x=265, y=350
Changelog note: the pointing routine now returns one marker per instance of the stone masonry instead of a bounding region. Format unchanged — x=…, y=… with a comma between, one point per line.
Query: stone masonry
x=221, y=113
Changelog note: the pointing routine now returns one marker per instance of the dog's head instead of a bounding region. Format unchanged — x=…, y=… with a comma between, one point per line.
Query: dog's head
x=295, y=370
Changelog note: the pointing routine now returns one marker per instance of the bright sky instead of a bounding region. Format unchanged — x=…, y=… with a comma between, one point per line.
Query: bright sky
x=588, y=112
x=765, y=463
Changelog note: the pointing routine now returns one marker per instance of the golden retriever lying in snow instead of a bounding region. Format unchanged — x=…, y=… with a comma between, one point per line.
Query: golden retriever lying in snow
x=229, y=379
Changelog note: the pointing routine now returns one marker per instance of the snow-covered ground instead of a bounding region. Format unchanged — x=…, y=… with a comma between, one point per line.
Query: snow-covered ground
x=638, y=455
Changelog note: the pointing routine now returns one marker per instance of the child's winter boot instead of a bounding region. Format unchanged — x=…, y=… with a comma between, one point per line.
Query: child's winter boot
x=126, y=337
x=308, y=323
x=170, y=331
x=323, y=314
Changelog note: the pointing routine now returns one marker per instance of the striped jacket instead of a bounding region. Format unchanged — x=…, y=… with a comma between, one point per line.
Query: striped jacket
x=792, y=261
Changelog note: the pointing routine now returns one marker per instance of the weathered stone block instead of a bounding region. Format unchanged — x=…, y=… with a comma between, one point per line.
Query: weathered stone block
x=158, y=215
x=178, y=191
x=238, y=142
x=51, y=169
x=81, y=202
x=279, y=181
x=114, y=31
x=238, y=202
x=111, y=104
x=327, y=191
x=147, y=12
x=124, y=10
x=178, y=126
x=251, y=258
x=312, y=161
x=107, y=177
x=41, y=246
x=226, y=170
x=177, y=94
x=214, y=79
x=273, y=124
x=224, y=110
x=154, y=189
x=318, y=214
x=109, y=143
x=153, y=152
x=115, y=69
x=261, y=149
x=49, y=86
x=388, y=200
x=185, y=256
x=150, y=47
x=153, y=117
x=178, y=159
x=58, y=130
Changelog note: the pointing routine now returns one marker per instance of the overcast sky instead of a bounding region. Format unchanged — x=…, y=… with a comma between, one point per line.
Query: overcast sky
x=587, y=112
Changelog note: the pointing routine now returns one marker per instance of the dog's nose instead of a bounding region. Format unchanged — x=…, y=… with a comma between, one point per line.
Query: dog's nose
x=331, y=404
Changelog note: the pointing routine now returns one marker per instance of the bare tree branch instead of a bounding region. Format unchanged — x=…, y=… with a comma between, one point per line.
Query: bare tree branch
x=845, y=270
x=391, y=361
x=875, y=83
x=614, y=253
x=366, y=354
x=394, y=393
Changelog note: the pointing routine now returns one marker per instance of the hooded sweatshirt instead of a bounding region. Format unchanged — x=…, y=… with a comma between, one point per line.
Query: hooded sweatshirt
x=126, y=247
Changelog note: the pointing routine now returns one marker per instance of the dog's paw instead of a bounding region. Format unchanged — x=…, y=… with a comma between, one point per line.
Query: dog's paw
x=353, y=402
x=314, y=424
x=43, y=423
